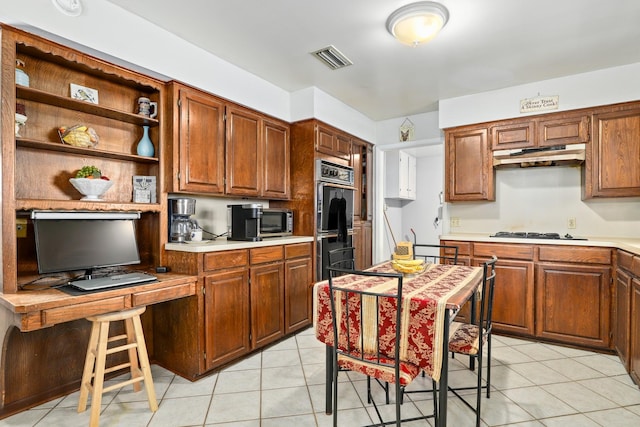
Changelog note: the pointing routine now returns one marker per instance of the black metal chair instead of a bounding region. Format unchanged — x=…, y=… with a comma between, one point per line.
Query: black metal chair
x=469, y=338
x=436, y=254
x=343, y=258
x=374, y=361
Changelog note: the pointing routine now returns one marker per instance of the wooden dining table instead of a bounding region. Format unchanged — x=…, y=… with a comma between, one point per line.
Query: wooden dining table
x=433, y=298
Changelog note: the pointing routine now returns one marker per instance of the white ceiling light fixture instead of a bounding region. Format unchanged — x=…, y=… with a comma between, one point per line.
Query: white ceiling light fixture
x=417, y=23
x=68, y=7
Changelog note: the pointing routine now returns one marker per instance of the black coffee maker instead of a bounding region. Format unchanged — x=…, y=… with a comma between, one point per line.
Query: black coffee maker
x=243, y=222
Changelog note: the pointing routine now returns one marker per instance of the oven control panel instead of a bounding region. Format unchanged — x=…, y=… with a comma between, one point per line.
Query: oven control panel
x=332, y=172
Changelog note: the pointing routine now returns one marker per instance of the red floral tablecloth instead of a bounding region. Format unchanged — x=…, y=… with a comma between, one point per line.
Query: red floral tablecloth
x=425, y=298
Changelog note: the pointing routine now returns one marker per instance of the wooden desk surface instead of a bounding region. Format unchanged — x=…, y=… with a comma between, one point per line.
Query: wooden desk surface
x=36, y=309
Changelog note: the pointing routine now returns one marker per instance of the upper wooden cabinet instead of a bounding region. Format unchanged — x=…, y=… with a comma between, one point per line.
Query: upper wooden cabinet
x=613, y=157
x=469, y=173
x=244, y=152
x=362, y=162
x=197, y=144
x=221, y=148
x=330, y=142
x=277, y=160
x=513, y=135
x=542, y=131
x=563, y=129
x=610, y=134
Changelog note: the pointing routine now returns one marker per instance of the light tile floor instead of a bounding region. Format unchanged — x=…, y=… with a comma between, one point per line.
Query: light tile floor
x=533, y=384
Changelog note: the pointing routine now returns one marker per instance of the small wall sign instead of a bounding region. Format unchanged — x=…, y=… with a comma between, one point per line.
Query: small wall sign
x=539, y=103
x=407, y=130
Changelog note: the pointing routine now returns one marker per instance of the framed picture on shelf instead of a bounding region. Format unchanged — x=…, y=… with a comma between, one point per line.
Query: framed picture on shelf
x=83, y=93
x=144, y=189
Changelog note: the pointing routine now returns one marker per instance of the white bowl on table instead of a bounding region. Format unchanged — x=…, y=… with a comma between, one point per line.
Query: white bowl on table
x=91, y=188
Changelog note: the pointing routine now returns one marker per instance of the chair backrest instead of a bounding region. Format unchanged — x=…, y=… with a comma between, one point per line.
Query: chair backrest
x=488, y=284
x=342, y=258
x=357, y=306
x=436, y=254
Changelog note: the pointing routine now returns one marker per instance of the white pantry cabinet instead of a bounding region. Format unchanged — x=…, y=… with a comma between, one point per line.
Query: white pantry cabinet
x=400, y=182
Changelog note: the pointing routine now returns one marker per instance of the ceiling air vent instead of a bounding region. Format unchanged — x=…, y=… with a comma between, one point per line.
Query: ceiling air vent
x=332, y=57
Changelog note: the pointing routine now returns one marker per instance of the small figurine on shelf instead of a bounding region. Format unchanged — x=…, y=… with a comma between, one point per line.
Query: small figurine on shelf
x=145, y=146
x=147, y=108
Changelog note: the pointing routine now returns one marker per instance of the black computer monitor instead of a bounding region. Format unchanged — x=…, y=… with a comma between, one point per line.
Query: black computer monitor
x=85, y=242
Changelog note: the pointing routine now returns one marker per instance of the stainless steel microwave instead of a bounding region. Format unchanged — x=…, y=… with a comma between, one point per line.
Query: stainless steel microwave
x=276, y=222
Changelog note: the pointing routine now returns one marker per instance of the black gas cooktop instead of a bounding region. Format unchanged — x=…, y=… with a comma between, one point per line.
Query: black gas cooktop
x=533, y=235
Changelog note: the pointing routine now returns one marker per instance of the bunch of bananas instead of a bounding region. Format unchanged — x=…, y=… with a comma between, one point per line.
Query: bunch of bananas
x=79, y=136
x=408, y=266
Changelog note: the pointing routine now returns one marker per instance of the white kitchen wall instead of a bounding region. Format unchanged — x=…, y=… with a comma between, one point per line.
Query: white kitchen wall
x=425, y=125
x=110, y=32
x=211, y=212
x=312, y=102
x=421, y=213
x=542, y=200
x=602, y=87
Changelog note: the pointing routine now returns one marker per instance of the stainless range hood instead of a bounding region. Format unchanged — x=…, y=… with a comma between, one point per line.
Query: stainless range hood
x=574, y=155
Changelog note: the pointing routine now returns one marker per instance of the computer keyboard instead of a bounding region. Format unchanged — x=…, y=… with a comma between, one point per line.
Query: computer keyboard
x=112, y=281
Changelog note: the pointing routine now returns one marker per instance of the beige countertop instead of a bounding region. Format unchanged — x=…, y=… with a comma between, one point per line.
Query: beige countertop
x=222, y=244
x=628, y=244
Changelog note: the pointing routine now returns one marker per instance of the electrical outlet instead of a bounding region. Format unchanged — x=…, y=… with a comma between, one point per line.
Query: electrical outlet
x=21, y=227
x=455, y=222
x=571, y=223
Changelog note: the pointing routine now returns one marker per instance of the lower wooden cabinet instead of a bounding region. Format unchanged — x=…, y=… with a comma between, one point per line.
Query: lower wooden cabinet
x=367, y=244
x=554, y=292
x=513, y=300
x=626, y=317
x=226, y=299
x=621, y=321
x=362, y=235
x=267, y=301
x=634, y=341
x=513, y=308
x=298, y=281
x=573, y=304
x=248, y=298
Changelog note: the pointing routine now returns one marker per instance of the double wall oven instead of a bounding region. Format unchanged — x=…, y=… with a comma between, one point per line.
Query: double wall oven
x=334, y=207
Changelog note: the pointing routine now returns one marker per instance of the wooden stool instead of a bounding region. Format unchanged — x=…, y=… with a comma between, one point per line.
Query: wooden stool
x=97, y=352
